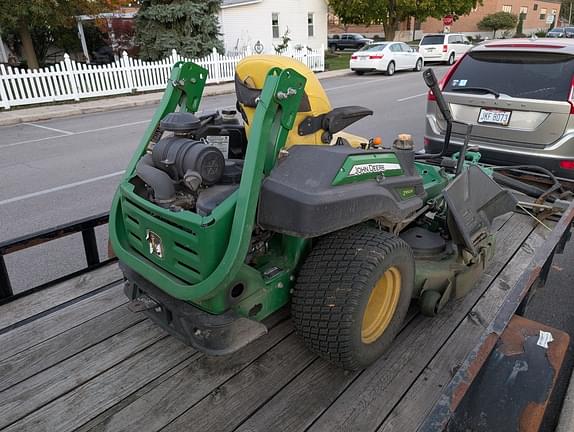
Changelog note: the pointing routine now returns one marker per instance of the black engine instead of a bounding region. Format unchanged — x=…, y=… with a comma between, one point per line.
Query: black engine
x=197, y=166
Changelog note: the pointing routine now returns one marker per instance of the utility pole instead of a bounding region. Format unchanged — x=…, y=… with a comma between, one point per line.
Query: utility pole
x=570, y=18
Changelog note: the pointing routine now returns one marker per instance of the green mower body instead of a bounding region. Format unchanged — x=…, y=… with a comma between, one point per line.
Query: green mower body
x=211, y=252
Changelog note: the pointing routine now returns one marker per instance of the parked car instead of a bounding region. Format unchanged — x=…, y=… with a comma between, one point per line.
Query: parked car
x=443, y=47
x=519, y=96
x=386, y=57
x=561, y=32
x=348, y=40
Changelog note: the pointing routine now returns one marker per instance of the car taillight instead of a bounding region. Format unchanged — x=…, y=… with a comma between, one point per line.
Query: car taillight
x=353, y=57
x=446, y=78
x=571, y=96
x=376, y=57
x=567, y=164
x=445, y=48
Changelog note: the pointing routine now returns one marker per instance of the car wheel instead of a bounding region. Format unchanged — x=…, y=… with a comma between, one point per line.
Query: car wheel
x=419, y=65
x=451, y=59
x=390, y=69
x=333, y=47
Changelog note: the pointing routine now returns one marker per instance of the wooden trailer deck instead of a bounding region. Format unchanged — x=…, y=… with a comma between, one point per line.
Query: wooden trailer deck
x=73, y=357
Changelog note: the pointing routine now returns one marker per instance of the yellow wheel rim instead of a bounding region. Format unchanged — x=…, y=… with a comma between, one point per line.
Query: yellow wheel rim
x=381, y=306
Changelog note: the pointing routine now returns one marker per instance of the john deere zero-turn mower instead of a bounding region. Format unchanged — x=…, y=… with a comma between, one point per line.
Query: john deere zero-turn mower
x=220, y=222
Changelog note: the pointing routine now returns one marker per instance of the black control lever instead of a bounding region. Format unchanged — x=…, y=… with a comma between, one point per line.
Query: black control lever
x=432, y=83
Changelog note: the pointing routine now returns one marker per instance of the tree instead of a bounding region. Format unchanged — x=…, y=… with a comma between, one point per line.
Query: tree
x=189, y=26
x=390, y=13
x=25, y=15
x=498, y=21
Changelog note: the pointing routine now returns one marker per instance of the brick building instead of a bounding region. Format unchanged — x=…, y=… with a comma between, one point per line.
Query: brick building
x=537, y=13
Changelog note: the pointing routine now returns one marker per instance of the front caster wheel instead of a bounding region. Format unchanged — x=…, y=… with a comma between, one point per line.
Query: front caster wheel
x=352, y=295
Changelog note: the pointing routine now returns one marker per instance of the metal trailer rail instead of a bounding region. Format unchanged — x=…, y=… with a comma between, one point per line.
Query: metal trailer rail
x=85, y=226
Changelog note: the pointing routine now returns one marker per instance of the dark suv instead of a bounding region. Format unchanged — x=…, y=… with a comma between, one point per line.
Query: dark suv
x=519, y=96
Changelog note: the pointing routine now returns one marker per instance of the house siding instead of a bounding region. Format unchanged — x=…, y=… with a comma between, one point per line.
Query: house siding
x=242, y=26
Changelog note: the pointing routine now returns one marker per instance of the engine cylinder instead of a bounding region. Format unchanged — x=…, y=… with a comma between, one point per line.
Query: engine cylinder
x=176, y=155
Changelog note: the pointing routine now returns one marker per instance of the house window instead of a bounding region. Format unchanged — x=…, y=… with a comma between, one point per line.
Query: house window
x=542, y=13
x=275, y=24
x=535, y=7
x=507, y=8
x=310, y=24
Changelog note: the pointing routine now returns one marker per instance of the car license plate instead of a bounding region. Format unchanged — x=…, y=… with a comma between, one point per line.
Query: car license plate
x=500, y=117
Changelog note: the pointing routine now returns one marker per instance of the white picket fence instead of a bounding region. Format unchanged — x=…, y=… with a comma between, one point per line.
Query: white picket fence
x=70, y=80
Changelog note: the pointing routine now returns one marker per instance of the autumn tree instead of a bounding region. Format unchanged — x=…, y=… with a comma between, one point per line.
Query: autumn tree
x=389, y=13
x=24, y=16
x=498, y=21
x=189, y=26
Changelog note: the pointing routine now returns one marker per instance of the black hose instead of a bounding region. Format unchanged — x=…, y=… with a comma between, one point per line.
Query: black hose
x=159, y=181
x=555, y=186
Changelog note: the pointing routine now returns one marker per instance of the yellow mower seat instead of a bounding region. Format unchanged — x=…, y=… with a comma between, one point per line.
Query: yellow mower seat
x=249, y=80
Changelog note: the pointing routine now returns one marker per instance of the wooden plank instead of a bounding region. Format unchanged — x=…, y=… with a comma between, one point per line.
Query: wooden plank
x=418, y=401
x=30, y=305
x=174, y=396
x=231, y=403
x=37, y=331
x=360, y=397
x=27, y=396
x=46, y=354
x=77, y=407
x=323, y=383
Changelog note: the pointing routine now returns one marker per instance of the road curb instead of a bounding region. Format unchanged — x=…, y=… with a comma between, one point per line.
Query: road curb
x=29, y=115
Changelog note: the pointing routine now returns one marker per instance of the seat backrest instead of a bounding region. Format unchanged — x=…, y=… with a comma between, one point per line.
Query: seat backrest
x=249, y=80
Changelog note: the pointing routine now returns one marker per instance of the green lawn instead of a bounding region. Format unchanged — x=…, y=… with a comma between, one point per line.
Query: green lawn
x=334, y=61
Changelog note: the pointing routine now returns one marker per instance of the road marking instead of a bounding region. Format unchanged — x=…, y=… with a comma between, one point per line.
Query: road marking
x=411, y=97
x=49, y=128
x=59, y=188
x=73, y=133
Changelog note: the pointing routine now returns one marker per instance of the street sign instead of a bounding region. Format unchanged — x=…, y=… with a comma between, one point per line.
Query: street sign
x=448, y=20
x=446, y=29
x=549, y=19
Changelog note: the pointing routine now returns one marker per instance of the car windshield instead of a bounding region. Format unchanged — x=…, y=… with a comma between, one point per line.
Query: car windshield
x=432, y=40
x=560, y=30
x=375, y=47
x=530, y=75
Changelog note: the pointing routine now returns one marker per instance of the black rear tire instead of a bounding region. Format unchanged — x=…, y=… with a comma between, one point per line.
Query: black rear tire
x=451, y=59
x=334, y=287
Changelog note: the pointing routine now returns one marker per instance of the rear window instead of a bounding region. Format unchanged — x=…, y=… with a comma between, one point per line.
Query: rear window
x=377, y=47
x=529, y=75
x=432, y=40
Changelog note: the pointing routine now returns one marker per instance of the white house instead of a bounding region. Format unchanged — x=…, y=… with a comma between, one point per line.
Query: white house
x=260, y=24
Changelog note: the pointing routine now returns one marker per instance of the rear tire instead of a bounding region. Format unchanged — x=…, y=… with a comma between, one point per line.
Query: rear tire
x=333, y=47
x=418, y=66
x=450, y=60
x=352, y=295
x=391, y=68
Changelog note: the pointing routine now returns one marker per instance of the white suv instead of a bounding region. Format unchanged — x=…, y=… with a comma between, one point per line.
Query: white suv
x=443, y=47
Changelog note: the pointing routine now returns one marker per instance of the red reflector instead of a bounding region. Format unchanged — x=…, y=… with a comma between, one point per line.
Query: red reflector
x=353, y=57
x=426, y=142
x=571, y=96
x=376, y=57
x=444, y=48
x=567, y=164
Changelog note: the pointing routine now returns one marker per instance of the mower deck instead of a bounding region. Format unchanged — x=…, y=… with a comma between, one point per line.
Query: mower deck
x=88, y=362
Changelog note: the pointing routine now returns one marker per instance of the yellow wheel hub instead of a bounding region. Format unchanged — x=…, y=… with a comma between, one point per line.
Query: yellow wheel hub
x=381, y=306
